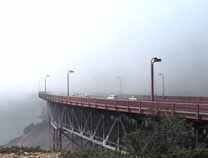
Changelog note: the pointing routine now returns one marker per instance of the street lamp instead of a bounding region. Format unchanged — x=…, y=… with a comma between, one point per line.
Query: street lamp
x=163, y=83
x=153, y=60
x=46, y=82
x=120, y=84
x=69, y=72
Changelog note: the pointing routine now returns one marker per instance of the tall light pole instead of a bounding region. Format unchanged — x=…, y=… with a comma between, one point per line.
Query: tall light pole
x=120, y=84
x=68, y=73
x=46, y=82
x=153, y=60
x=163, y=83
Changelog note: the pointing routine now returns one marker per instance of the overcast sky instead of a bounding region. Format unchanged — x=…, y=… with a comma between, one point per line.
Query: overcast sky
x=101, y=40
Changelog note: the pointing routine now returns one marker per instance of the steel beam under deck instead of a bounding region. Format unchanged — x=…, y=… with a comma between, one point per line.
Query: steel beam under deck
x=104, y=129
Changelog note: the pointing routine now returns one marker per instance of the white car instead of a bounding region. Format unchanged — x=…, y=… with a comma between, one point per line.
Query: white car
x=86, y=95
x=132, y=98
x=112, y=97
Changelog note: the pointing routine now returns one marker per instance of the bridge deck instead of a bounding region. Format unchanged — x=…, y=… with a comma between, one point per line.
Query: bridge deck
x=189, y=110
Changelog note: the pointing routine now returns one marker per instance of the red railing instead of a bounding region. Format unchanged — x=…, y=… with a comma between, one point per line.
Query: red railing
x=190, y=110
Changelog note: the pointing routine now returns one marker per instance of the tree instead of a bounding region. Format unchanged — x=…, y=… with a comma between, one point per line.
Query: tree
x=162, y=136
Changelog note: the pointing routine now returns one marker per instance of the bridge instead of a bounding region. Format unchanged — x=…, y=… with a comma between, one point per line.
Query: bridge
x=90, y=122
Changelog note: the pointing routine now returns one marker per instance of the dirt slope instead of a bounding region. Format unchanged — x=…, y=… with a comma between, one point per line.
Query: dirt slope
x=36, y=136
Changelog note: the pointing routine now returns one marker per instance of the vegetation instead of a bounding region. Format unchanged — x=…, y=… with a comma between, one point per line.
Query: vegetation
x=194, y=153
x=158, y=138
x=14, y=149
x=161, y=138
x=92, y=154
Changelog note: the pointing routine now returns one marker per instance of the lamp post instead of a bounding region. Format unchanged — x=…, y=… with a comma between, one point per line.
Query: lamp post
x=163, y=83
x=69, y=72
x=46, y=82
x=153, y=60
x=120, y=84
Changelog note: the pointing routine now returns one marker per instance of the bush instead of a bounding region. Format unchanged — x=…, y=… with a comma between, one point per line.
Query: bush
x=92, y=154
x=15, y=149
x=163, y=136
x=196, y=153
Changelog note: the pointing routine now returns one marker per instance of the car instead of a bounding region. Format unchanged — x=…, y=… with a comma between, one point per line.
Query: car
x=112, y=96
x=86, y=95
x=132, y=98
x=75, y=95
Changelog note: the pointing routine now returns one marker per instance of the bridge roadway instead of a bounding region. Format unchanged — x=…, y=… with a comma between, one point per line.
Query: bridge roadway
x=90, y=121
x=195, y=108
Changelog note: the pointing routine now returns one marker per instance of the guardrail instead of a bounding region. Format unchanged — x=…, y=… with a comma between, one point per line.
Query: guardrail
x=194, y=111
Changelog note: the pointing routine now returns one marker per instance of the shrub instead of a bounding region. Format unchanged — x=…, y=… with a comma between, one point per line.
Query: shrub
x=162, y=136
x=196, y=153
x=92, y=154
x=15, y=149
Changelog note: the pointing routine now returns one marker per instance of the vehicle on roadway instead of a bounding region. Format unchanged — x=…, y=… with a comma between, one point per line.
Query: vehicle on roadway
x=132, y=98
x=112, y=96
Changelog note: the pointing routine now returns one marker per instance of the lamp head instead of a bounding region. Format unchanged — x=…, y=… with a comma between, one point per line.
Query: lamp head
x=71, y=71
x=155, y=59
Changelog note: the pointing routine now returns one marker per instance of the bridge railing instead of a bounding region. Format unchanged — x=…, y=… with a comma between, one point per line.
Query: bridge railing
x=197, y=111
x=179, y=99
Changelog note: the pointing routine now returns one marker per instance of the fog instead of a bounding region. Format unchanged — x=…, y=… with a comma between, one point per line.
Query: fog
x=101, y=40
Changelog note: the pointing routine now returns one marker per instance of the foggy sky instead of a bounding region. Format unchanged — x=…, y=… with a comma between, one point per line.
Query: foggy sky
x=101, y=40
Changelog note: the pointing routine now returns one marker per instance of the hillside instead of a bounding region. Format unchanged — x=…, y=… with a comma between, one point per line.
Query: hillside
x=34, y=135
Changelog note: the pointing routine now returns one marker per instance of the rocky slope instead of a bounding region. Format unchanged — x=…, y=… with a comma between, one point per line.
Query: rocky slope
x=35, y=135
